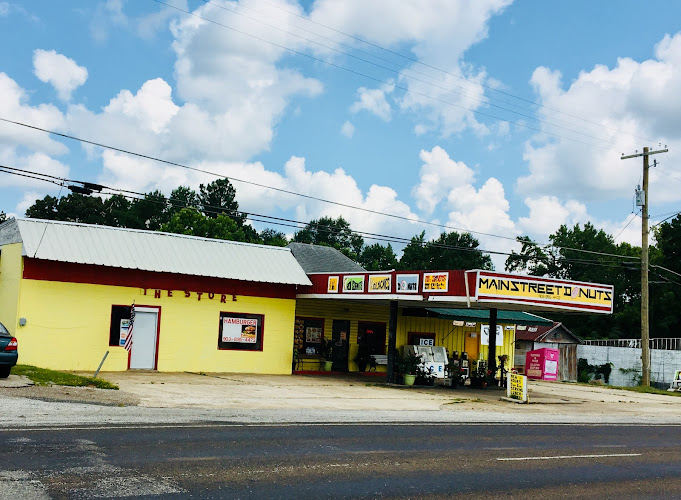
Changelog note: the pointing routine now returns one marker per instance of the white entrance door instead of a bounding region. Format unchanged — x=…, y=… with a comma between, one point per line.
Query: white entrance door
x=143, y=352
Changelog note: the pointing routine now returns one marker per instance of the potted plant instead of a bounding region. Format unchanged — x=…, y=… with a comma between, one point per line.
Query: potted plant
x=424, y=376
x=412, y=362
x=362, y=358
x=327, y=354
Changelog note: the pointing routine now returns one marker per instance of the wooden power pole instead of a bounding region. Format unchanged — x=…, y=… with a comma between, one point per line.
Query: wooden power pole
x=645, y=324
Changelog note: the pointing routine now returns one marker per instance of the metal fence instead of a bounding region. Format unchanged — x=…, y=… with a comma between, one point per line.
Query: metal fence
x=673, y=344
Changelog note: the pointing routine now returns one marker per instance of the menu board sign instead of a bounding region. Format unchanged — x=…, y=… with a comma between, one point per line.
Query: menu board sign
x=240, y=331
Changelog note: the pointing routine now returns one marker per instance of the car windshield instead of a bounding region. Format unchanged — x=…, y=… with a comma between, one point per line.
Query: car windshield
x=3, y=330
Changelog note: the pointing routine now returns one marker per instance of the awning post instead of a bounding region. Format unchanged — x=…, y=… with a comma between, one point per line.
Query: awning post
x=492, y=351
x=392, y=341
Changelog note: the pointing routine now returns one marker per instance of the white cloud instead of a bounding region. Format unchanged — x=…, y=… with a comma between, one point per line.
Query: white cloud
x=374, y=101
x=348, y=130
x=4, y=9
x=548, y=213
x=59, y=71
x=626, y=104
x=151, y=107
x=439, y=33
x=439, y=174
x=30, y=197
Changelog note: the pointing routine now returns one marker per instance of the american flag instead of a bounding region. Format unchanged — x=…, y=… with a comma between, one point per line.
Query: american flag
x=128, y=339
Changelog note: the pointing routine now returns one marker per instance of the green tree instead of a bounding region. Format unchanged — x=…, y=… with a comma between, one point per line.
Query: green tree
x=3, y=217
x=333, y=233
x=73, y=208
x=150, y=212
x=273, y=237
x=219, y=197
x=449, y=251
x=376, y=257
x=191, y=222
x=182, y=197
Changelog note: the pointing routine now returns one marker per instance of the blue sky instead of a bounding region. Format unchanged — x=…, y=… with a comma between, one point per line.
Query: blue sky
x=505, y=118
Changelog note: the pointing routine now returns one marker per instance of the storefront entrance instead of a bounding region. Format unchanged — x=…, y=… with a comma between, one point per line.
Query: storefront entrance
x=340, y=336
x=371, y=335
x=145, y=335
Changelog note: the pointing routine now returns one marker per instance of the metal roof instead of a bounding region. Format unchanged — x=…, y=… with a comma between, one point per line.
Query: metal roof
x=152, y=251
x=517, y=317
x=323, y=259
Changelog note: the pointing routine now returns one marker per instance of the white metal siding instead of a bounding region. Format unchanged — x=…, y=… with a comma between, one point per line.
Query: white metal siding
x=158, y=252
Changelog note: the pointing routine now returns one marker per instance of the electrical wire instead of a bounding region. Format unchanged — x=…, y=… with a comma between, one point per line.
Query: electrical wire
x=397, y=71
x=421, y=63
x=379, y=80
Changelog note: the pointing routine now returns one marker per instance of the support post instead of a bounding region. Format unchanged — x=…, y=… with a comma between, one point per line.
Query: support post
x=645, y=320
x=492, y=348
x=645, y=325
x=392, y=340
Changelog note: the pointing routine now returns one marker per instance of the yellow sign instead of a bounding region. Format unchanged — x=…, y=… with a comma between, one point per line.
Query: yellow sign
x=333, y=284
x=516, y=388
x=380, y=283
x=435, y=282
x=551, y=293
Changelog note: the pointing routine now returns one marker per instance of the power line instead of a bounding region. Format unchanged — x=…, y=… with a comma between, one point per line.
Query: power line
x=397, y=71
x=414, y=60
x=379, y=80
x=300, y=224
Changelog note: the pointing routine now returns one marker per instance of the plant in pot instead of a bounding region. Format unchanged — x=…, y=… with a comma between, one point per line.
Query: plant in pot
x=412, y=362
x=363, y=358
x=327, y=354
x=425, y=376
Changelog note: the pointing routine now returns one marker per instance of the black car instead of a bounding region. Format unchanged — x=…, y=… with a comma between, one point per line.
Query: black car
x=8, y=352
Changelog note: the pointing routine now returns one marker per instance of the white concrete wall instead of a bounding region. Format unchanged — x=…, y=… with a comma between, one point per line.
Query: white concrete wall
x=663, y=363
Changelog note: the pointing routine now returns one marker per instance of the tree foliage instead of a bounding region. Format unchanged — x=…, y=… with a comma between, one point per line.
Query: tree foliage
x=449, y=251
x=376, y=257
x=334, y=233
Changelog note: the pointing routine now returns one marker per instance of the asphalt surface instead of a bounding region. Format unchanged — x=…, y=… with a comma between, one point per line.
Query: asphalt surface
x=342, y=461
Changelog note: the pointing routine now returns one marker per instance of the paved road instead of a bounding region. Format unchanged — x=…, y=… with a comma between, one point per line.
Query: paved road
x=342, y=461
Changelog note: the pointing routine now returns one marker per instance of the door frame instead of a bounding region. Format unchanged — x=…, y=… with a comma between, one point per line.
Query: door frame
x=157, y=310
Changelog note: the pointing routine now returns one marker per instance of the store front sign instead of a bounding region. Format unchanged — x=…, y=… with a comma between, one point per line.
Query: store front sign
x=407, y=283
x=222, y=297
x=516, y=388
x=492, y=287
x=435, y=282
x=239, y=331
x=332, y=286
x=353, y=284
x=380, y=283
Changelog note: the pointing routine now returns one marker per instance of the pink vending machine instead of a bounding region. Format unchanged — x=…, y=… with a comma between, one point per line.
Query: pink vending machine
x=542, y=364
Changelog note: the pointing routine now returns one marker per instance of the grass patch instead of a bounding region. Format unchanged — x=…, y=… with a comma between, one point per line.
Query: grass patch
x=43, y=376
x=647, y=390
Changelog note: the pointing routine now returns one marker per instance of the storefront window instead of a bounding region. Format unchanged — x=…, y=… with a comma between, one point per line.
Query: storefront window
x=308, y=335
x=241, y=332
x=372, y=335
x=120, y=320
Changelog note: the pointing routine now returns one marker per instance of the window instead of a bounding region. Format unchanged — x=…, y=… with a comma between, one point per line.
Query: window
x=372, y=335
x=308, y=335
x=120, y=318
x=241, y=332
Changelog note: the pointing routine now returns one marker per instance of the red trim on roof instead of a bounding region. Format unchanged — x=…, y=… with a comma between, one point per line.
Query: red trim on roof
x=66, y=272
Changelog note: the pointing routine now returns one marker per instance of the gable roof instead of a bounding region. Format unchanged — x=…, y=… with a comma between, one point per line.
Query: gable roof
x=517, y=317
x=152, y=251
x=323, y=259
x=545, y=333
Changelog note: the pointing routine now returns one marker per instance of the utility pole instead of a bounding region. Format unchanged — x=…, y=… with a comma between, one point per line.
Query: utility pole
x=645, y=324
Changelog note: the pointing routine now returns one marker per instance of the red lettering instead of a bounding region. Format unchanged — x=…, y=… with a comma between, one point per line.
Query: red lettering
x=233, y=298
x=187, y=294
x=145, y=291
x=211, y=295
x=223, y=299
x=157, y=294
x=198, y=294
x=170, y=293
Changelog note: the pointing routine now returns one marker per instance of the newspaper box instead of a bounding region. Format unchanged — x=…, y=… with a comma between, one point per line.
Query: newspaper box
x=542, y=364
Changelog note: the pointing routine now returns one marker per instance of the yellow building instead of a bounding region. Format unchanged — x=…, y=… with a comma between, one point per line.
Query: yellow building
x=71, y=292
x=66, y=293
